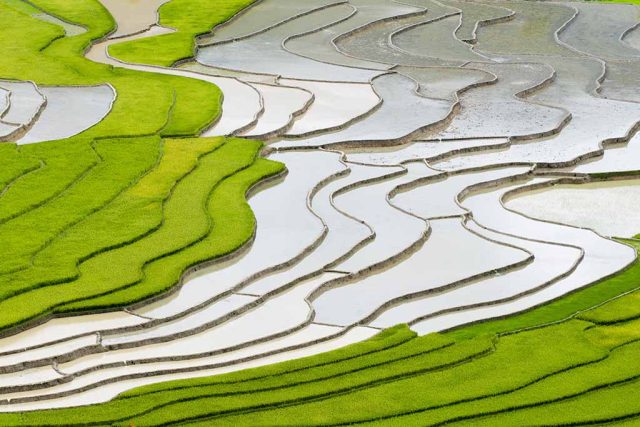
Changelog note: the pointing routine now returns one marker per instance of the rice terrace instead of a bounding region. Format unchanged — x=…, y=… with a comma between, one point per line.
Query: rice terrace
x=319, y=212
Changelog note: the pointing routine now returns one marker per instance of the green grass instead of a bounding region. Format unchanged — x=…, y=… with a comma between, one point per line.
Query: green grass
x=117, y=213
x=627, y=308
x=138, y=210
x=16, y=167
x=397, y=378
x=599, y=407
x=59, y=168
x=133, y=213
x=576, y=383
x=229, y=224
x=486, y=374
x=31, y=231
x=146, y=104
x=394, y=378
x=115, y=268
x=189, y=18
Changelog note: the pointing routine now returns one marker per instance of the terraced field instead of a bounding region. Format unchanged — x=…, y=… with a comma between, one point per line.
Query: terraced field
x=327, y=212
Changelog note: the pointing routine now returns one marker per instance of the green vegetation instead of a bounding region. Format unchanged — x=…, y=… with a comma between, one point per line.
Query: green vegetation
x=189, y=18
x=23, y=236
x=555, y=374
x=558, y=373
x=118, y=213
x=144, y=236
x=17, y=165
x=146, y=104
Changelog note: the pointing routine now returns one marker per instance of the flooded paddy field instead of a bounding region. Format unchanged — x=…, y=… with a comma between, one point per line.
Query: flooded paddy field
x=447, y=163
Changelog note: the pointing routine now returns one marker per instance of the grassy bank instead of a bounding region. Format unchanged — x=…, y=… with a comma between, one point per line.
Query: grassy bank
x=558, y=373
x=117, y=213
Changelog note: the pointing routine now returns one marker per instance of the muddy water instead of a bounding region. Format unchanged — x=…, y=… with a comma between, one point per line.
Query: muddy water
x=494, y=110
x=86, y=105
x=450, y=254
x=133, y=16
x=398, y=93
x=320, y=45
x=473, y=15
x=334, y=104
x=550, y=262
x=262, y=16
x=229, y=362
x=264, y=52
x=598, y=30
x=609, y=208
x=436, y=40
